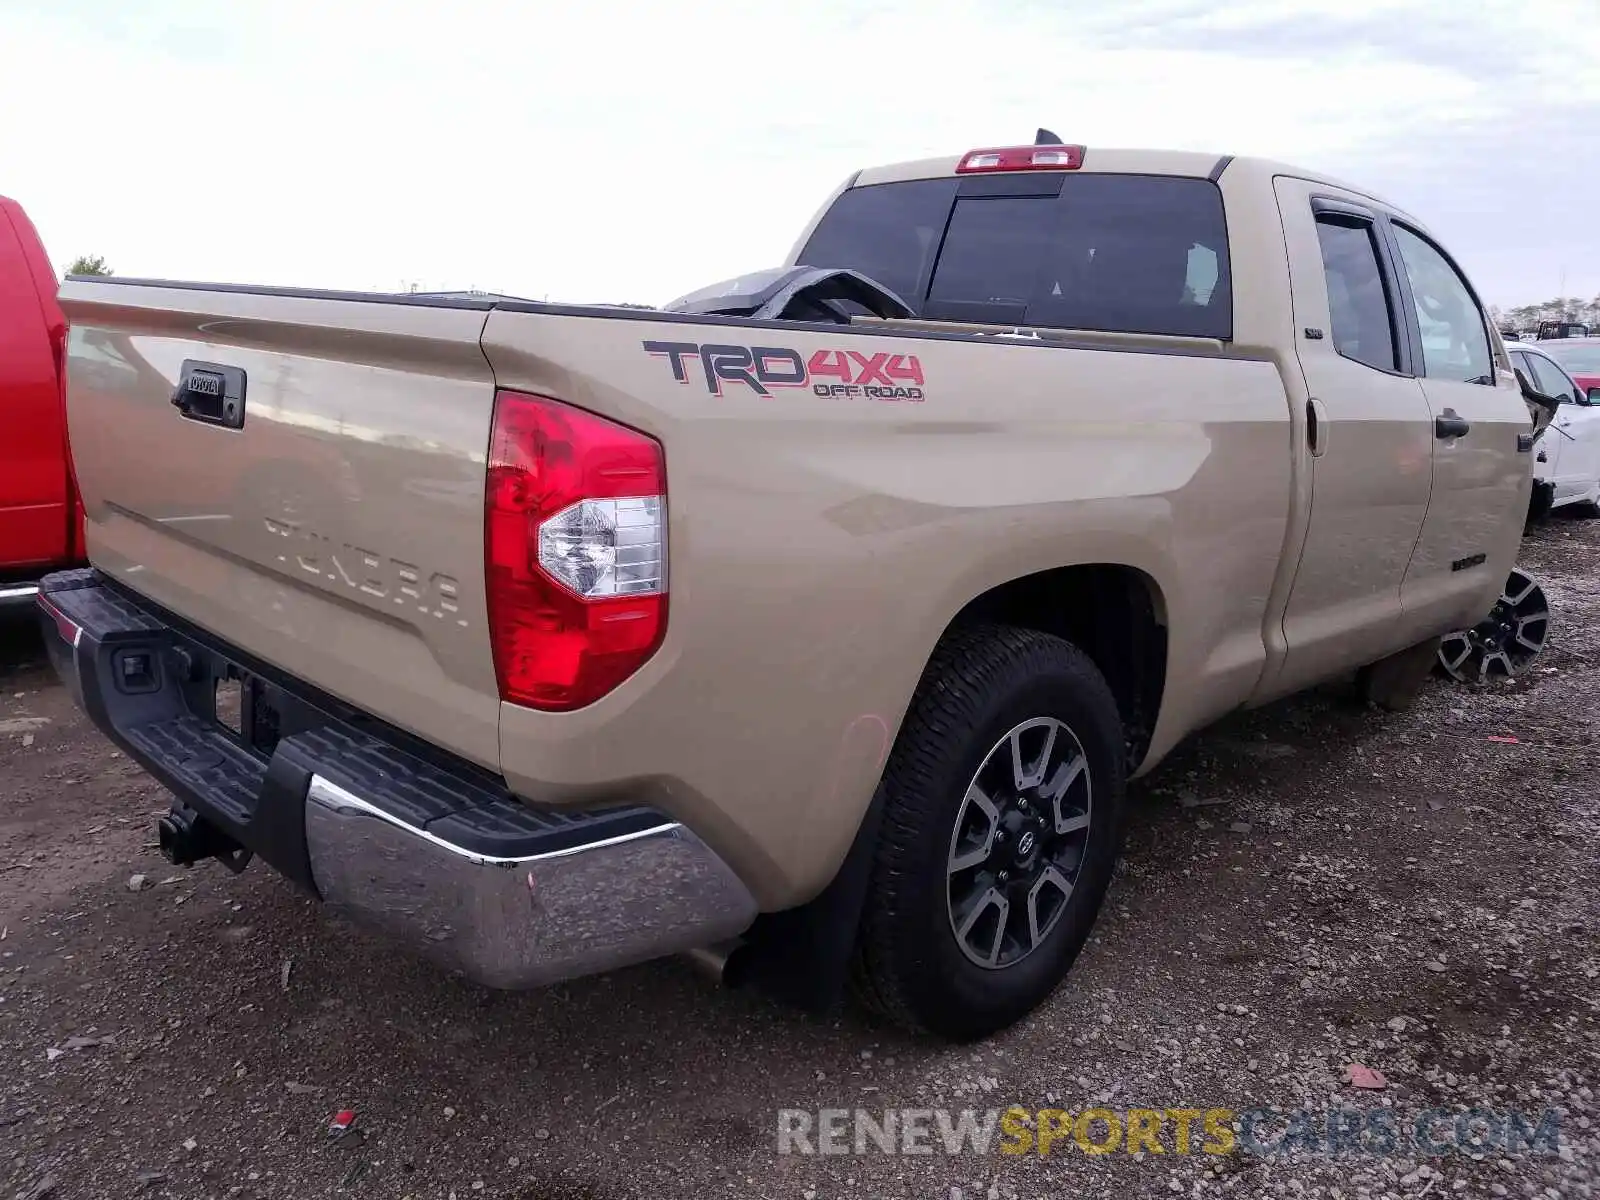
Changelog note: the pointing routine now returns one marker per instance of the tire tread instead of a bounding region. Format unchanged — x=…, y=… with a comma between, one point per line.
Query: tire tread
x=966, y=669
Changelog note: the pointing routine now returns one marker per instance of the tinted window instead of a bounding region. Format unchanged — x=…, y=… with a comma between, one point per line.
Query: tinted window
x=1119, y=253
x=993, y=256
x=889, y=232
x=1358, y=301
x=1551, y=379
x=1455, y=341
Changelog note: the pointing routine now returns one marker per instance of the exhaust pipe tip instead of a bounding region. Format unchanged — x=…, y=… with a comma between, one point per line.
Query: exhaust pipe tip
x=722, y=963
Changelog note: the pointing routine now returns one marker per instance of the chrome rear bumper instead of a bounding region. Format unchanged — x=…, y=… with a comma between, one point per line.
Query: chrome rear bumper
x=521, y=922
x=18, y=596
x=430, y=850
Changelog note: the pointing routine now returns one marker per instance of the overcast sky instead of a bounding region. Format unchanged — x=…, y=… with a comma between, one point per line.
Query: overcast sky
x=632, y=150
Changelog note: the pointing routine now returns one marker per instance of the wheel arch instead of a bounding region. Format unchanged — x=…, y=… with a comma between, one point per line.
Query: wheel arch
x=1115, y=613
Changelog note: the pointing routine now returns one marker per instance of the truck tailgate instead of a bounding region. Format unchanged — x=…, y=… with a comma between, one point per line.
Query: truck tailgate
x=337, y=532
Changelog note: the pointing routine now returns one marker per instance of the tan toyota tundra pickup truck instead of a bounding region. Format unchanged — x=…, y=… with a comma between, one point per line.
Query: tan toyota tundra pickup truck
x=552, y=639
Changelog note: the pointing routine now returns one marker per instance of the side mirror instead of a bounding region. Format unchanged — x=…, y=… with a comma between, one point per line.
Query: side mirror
x=1533, y=396
x=1541, y=408
x=1594, y=395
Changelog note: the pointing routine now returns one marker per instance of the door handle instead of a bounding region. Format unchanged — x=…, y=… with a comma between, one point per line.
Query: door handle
x=1450, y=424
x=1316, y=427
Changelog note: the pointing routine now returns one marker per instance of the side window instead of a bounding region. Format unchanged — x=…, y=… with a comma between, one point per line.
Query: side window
x=1455, y=339
x=1551, y=379
x=1358, y=300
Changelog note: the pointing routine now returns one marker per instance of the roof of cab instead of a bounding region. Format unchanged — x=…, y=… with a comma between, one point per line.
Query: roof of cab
x=1138, y=162
x=1131, y=162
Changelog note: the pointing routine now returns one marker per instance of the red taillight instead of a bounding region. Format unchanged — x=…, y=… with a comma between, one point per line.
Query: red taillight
x=575, y=552
x=1021, y=158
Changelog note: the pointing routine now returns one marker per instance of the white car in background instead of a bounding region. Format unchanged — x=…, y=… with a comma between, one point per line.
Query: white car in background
x=1567, y=466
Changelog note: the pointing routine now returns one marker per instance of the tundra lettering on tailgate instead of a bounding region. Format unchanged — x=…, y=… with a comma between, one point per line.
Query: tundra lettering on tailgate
x=367, y=571
x=873, y=375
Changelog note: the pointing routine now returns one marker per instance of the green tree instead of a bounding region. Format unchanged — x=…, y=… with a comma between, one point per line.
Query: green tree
x=89, y=264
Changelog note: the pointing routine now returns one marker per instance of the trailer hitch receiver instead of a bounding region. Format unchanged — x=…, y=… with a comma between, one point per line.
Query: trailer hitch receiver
x=186, y=838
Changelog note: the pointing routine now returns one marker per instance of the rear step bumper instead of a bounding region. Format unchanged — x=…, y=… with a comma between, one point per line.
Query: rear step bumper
x=18, y=596
x=400, y=837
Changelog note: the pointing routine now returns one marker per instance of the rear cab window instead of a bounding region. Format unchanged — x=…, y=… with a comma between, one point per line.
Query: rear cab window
x=890, y=233
x=1108, y=253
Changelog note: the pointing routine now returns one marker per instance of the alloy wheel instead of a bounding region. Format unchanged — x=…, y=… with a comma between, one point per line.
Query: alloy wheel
x=1018, y=844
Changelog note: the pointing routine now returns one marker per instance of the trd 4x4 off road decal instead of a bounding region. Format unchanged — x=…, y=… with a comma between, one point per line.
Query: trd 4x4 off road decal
x=872, y=375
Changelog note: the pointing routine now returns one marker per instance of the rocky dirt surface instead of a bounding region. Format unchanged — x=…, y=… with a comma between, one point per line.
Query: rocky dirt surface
x=1306, y=888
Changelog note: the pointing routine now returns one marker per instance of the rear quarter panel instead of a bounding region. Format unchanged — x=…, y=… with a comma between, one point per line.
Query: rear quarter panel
x=819, y=546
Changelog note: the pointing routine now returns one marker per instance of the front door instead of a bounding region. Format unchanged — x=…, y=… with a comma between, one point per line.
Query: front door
x=1482, y=462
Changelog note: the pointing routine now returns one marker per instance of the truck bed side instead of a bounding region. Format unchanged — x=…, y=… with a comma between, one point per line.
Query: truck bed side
x=821, y=543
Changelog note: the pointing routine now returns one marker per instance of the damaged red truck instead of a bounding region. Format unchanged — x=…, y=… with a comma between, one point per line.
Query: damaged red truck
x=41, y=519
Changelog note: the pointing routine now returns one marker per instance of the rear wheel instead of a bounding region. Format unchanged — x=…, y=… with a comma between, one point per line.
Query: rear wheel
x=1002, y=801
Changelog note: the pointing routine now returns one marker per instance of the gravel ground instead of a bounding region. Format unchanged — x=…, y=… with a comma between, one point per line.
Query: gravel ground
x=1305, y=888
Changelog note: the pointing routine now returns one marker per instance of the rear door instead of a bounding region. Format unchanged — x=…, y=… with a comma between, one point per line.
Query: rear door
x=33, y=471
x=1481, y=476
x=1372, y=441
